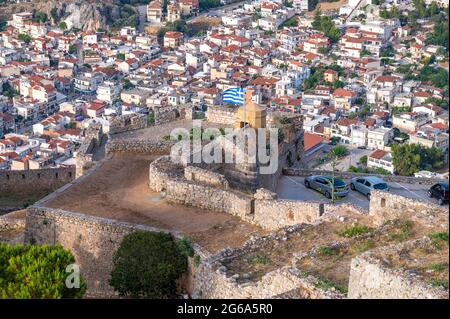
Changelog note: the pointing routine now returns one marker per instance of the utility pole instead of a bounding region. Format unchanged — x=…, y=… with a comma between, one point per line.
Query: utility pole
x=333, y=165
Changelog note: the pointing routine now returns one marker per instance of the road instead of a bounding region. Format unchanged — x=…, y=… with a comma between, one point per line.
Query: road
x=219, y=11
x=142, y=9
x=293, y=187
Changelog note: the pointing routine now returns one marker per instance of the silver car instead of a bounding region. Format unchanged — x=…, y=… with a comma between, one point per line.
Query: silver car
x=365, y=184
x=323, y=184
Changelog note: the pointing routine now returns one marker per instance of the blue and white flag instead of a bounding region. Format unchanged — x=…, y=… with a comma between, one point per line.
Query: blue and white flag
x=234, y=96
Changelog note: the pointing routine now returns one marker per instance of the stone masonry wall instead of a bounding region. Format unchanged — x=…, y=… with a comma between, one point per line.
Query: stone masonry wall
x=92, y=240
x=193, y=194
x=192, y=173
x=128, y=122
x=215, y=280
x=35, y=179
x=139, y=146
x=275, y=214
x=221, y=115
x=386, y=206
x=371, y=279
x=168, y=114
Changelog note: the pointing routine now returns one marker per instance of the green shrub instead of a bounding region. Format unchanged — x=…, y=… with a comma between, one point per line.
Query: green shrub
x=354, y=231
x=439, y=283
x=327, y=250
x=185, y=246
x=438, y=238
x=258, y=259
x=197, y=260
x=438, y=267
x=32, y=271
x=147, y=265
x=402, y=230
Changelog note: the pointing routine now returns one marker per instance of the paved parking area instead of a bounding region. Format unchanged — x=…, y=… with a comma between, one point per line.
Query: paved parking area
x=293, y=187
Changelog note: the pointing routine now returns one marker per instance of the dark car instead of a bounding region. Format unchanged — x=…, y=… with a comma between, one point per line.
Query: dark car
x=440, y=192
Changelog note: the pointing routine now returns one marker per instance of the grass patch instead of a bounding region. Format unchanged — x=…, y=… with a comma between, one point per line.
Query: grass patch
x=327, y=250
x=196, y=260
x=258, y=259
x=402, y=230
x=439, y=283
x=363, y=246
x=438, y=267
x=438, y=238
x=326, y=284
x=355, y=230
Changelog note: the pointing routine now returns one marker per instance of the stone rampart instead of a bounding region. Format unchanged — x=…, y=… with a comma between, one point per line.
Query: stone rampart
x=385, y=206
x=32, y=180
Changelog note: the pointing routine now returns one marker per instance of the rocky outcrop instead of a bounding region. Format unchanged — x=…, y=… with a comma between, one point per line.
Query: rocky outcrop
x=80, y=14
x=90, y=16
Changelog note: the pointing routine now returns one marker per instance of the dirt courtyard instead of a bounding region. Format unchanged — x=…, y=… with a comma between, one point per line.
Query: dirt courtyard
x=119, y=190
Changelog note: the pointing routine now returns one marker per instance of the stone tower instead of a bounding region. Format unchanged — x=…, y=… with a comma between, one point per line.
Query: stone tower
x=250, y=114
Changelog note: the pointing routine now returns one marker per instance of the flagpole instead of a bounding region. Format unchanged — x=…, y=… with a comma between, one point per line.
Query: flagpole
x=245, y=102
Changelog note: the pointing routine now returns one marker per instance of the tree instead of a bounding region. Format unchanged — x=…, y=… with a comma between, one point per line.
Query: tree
x=406, y=159
x=63, y=25
x=126, y=84
x=208, y=4
x=147, y=264
x=39, y=16
x=72, y=49
x=24, y=37
x=363, y=160
x=339, y=151
x=32, y=271
x=54, y=14
x=338, y=84
x=411, y=158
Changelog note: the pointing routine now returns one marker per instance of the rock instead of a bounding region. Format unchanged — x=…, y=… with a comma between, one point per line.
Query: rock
x=222, y=269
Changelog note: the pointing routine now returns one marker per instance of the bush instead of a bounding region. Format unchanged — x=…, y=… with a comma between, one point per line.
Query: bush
x=147, y=265
x=355, y=230
x=339, y=151
x=33, y=271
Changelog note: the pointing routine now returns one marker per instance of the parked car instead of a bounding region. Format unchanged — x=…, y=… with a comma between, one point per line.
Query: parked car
x=440, y=192
x=323, y=184
x=365, y=184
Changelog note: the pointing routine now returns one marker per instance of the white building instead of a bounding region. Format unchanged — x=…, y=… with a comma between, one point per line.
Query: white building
x=108, y=91
x=381, y=159
x=379, y=137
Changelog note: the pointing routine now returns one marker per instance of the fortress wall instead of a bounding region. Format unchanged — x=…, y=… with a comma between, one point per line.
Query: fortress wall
x=273, y=214
x=92, y=240
x=192, y=173
x=139, y=146
x=221, y=115
x=129, y=122
x=370, y=278
x=385, y=206
x=194, y=194
x=35, y=179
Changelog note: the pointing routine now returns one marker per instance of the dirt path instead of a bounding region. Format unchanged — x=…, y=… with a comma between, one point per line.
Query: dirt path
x=119, y=190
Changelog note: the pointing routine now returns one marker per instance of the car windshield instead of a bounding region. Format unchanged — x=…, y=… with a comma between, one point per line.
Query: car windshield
x=380, y=186
x=337, y=182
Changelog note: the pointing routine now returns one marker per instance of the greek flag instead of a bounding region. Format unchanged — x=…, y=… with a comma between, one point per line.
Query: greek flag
x=234, y=96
